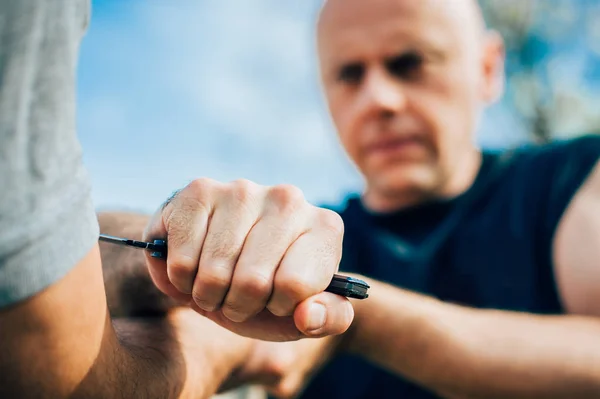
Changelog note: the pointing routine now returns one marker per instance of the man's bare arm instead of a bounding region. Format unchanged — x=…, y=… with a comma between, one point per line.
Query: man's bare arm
x=468, y=353
x=577, y=250
x=61, y=343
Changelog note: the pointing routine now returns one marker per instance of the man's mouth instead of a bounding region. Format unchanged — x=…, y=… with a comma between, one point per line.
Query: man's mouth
x=395, y=146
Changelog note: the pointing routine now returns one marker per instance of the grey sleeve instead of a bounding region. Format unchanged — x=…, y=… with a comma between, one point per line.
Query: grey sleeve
x=47, y=219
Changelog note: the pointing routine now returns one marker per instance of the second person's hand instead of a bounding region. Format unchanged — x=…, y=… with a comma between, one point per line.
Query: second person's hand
x=254, y=259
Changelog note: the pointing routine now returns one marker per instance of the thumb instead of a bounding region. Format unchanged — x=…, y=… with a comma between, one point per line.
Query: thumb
x=324, y=314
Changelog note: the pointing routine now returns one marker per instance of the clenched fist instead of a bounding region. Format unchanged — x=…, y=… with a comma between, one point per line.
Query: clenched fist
x=254, y=259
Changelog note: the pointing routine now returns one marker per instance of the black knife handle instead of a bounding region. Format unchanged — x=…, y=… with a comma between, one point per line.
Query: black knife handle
x=341, y=285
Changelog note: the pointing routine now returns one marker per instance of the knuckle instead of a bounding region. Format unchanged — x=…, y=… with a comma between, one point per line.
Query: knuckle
x=201, y=185
x=236, y=310
x=330, y=220
x=193, y=196
x=181, y=266
x=279, y=366
x=214, y=279
x=294, y=287
x=279, y=309
x=205, y=303
x=286, y=197
x=253, y=286
x=287, y=391
x=243, y=190
x=243, y=184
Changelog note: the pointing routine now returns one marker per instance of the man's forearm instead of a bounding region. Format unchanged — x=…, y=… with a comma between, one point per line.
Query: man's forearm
x=467, y=353
x=62, y=343
x=141, y=359
x=171, y=357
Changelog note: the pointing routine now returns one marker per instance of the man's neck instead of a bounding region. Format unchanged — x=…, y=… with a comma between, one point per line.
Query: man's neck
x=462, y=179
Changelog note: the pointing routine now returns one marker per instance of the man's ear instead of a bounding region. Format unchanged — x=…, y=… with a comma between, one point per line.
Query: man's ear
x=493, y=59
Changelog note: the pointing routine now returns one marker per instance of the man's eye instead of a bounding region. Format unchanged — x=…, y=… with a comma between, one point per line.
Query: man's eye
x=352, y=73
x=405, y=66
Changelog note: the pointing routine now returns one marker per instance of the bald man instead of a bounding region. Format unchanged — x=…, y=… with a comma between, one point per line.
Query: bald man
x=483, y=266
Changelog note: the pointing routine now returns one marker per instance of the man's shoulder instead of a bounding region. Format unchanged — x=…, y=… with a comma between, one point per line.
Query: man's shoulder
x=547, y=166
x=581, y=148
x=541, y=181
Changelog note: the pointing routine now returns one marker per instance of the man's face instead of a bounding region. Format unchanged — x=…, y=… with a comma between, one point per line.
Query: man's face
x=405, y=81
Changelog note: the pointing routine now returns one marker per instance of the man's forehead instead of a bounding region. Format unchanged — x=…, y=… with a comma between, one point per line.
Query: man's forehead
x=347, y=10
x=339, y=18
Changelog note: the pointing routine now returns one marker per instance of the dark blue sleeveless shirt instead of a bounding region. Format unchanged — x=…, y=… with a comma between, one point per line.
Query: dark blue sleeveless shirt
x=491, y=247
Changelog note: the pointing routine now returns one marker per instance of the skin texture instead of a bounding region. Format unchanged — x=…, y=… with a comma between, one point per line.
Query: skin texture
x=421, y=123
x=131, y=294
x=62, y=343
x=577, y=250
x=405, y=83
x=460, y=352
x=253, y=259
x=432, y=107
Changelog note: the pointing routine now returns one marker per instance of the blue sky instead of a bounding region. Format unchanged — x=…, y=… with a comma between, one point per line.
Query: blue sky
x=171, y=90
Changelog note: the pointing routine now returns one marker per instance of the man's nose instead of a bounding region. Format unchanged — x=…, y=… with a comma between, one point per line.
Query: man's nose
x=381, y=94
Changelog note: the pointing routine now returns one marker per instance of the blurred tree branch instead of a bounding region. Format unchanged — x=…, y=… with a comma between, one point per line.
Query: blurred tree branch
x=549, y=45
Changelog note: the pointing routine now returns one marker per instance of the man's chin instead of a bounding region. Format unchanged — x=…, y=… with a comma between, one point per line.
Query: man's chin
x=404, y=187
x=406, y=178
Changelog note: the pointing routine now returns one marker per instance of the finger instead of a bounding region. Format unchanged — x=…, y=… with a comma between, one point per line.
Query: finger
x=324, y=314
x=288, y=387
x=279, y=226
x=182, y=221
x=264, y=326
x=158, y=267
x=232, y=219
x=186, y=221
x=308, y=265
x=158, y=272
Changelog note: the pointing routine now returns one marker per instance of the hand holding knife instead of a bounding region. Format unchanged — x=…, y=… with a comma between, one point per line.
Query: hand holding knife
x=341, y=285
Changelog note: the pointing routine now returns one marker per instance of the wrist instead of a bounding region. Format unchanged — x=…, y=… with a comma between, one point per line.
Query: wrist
x=407, y=333
x=412, y=316
x=348, y=341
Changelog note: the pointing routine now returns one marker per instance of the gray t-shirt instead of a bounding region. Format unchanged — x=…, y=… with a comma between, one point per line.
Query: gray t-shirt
x=47, y=219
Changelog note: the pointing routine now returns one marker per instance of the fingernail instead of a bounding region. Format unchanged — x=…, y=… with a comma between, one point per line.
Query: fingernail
x=316, y=317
